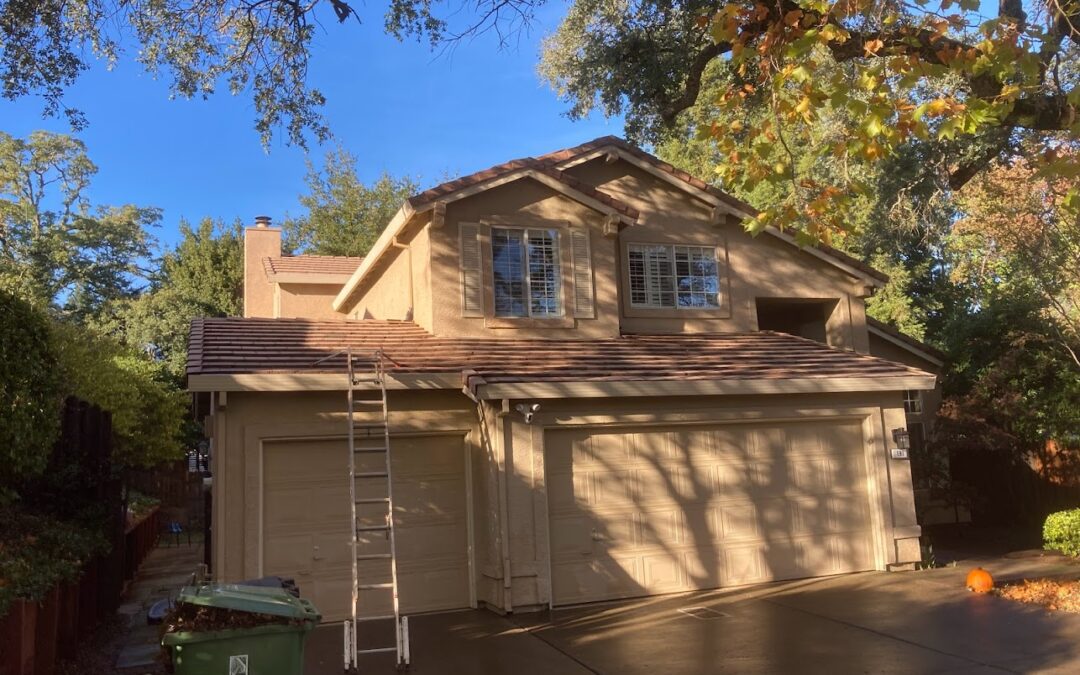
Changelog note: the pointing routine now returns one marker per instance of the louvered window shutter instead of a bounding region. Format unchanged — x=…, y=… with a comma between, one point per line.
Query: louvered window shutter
x=472, y=279
x=584, y=307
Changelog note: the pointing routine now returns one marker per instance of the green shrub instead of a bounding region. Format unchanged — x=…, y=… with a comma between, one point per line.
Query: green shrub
x=1062, y=532
x=30, y=392
x=37, y=552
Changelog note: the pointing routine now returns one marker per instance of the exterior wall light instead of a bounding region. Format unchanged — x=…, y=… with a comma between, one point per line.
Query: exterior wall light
x=902, y=438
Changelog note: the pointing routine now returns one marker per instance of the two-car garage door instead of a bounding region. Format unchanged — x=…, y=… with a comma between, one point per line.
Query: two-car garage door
x=637, y=512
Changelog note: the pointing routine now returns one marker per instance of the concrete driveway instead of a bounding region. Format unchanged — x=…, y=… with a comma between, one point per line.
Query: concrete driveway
x=917, y=622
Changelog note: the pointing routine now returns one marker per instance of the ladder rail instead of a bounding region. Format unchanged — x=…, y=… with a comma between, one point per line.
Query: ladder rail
x=375, y=375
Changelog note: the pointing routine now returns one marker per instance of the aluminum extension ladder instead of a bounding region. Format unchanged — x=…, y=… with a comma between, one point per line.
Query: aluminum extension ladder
x=371, y=495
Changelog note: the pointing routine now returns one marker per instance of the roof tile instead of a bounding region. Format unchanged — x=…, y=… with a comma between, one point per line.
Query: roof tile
x=311, y=264
x=255, y=345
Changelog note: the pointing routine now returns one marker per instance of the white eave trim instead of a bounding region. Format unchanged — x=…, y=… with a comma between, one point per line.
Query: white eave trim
x=587, y=389
x=308, y=278
x=906, y=346
x=385, y=240
x=581, y=389
x=314, y=382
x=713, y=200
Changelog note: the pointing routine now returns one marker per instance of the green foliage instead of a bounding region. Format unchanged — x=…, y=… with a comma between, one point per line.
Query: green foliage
x=816, y=85
x=1061, y=532
x=37, y=552
x=202, y=276
x=149, y=414
x=893, y=304
x=344, y=216
x=30, y=391
x=55, y=249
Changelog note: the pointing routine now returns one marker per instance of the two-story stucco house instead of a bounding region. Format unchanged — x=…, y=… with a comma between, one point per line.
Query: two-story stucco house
x=600, y=387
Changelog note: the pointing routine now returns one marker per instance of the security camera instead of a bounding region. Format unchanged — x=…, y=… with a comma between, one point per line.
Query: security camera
x=527, y=411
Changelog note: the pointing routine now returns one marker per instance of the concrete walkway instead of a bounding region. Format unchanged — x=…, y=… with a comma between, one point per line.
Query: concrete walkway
x=915, y=622
x=163, y=573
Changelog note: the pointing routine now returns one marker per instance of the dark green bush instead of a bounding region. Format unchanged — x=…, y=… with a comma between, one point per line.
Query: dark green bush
x=37, y=552
x=30, y=392
x=1061, y=532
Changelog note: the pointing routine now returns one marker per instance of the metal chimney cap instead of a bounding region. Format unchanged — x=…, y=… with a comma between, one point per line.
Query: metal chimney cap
x=262, y=221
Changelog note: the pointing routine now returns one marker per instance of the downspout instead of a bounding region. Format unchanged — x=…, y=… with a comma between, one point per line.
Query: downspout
x=471, y=382
x=408, y=253
x=504, y=526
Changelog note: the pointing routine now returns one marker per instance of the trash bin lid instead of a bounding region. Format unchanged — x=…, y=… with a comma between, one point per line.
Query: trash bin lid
x=275, y=601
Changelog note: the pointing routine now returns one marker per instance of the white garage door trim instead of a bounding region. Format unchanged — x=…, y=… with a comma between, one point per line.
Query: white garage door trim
x=254, y=493
x=869, y=420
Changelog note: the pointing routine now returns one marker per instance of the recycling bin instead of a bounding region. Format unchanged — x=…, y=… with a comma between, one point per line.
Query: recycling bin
x=238, y=630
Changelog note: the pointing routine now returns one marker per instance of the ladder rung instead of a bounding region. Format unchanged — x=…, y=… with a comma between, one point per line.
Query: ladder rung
x=366, y=380
x=382, y=449
x=376, y=650
x=375, y=587
x=371, y=528
x=369, y=425
x=371, y=474
x=367, y=401
x=383, y=617
x=373, y=500
x=373, y=556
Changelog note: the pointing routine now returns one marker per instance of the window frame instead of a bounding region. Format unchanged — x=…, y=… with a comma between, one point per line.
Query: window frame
x=566, y=289
x=522, y=236
x=917, y=400
x=719, y=247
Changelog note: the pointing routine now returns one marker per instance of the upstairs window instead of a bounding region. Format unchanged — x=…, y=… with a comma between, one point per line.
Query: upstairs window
x=525, y=269
x=913, y=402
x=670, y=276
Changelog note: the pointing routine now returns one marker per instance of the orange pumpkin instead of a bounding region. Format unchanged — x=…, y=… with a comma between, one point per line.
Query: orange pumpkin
x=979, y=581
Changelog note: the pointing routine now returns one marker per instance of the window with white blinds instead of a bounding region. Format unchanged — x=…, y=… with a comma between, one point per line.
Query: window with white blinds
x=674, y=277
x=525, y=272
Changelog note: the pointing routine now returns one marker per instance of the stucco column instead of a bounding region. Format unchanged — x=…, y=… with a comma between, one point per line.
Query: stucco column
x=905, y=525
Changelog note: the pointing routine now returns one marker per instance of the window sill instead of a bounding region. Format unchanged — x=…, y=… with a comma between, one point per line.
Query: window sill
x=528, y=322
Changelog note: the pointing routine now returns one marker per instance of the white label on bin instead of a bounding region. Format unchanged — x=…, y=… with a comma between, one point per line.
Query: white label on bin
x=238, y=664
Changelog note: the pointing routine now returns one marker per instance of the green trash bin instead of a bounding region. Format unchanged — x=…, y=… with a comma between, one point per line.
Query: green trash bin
x=272, y=649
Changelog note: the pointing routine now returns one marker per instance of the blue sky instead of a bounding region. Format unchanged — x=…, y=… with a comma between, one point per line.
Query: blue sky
x=397, y=106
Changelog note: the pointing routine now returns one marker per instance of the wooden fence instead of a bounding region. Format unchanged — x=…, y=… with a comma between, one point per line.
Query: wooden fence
x=34, y=634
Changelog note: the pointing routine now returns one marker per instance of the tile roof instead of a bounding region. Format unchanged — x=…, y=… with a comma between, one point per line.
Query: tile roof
x=425, y=198
x=567, y=154
x=255, y=345
x=311, y=264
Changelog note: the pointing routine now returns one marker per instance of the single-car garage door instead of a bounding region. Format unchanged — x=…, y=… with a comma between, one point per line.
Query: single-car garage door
x=637, y=512
x=305, y=530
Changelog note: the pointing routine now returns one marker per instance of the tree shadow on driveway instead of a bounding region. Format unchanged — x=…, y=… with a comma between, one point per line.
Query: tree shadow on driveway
x=864, y=623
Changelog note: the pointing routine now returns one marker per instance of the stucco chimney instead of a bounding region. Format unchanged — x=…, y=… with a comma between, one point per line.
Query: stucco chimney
x=260, y=241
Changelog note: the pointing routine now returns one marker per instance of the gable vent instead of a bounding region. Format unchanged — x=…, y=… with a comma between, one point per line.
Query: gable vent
x=584, y=307
x=472, y=287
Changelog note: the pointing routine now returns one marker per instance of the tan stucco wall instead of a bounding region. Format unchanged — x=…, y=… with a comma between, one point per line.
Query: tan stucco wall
x=259, y=243
x=931, y=399
x=306, y=301
x=510, y=540
x=761, y=266
x=751, y=267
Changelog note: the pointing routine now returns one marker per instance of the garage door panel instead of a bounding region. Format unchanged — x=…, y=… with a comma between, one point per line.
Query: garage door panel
x=570, y=536
x=742, y=565
x=664, y=573
x=663, y=484
x=663, y=526
x=613, y=488
x=725, y=505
